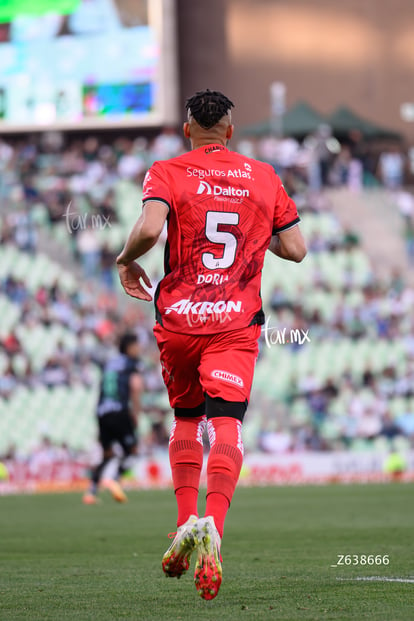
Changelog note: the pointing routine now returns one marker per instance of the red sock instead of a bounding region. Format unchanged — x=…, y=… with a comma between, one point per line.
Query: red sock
x=217, y=505
x=223, y=466
x=186, y=459
x=186, y=503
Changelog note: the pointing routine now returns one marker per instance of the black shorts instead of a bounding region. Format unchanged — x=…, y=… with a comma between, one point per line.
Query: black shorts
x=117, y=427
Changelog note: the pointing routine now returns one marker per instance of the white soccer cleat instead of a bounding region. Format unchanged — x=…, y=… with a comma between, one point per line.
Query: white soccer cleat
x=176, y=560
x=208, y=572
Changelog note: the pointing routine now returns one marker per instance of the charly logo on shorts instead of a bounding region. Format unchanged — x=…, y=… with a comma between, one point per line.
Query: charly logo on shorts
x=227, y=377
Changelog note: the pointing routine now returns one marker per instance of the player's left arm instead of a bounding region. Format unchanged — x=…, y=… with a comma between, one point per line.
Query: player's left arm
x=142, y=238
x=287, y=240
x=289, y=244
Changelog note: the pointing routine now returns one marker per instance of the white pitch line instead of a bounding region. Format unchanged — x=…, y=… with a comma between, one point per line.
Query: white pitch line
x=378, y=579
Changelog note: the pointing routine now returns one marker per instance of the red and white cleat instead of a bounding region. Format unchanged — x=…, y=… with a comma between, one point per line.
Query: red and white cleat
x=176, y=560
x=208, y=571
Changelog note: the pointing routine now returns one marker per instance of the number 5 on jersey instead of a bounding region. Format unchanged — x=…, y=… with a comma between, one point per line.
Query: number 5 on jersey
x=224, y=238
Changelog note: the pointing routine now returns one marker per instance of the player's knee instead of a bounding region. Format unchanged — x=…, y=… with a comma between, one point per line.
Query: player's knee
x=217, y=407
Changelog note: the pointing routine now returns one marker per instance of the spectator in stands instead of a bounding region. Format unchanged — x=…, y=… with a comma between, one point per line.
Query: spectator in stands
x=167, y=144
x=89, y=251
x=15, y=290
x=391, y=166
x=130, y=164
x=319, y=156
x=11, y=344
x=317, y=242
x=8, y=381
x=277, y=441
x=389, y=427
x=54, y=373
x=25, y=231
x=339, y=171
x=106, y=208
x=350, y=238
x=107, y=262
x=405, y=422
x=368, y=424
x=43, y=456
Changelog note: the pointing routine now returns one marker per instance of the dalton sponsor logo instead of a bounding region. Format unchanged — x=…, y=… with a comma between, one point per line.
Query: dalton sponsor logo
x=204, y=188
x=183, y=307
x=227, y=377
x=218, y=190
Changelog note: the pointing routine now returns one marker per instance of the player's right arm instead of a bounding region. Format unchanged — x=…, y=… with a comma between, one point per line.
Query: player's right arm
x=142, y=238
x=145, y=233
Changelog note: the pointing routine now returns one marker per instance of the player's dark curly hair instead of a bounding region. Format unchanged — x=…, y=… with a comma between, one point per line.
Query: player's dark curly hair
x=208, y=107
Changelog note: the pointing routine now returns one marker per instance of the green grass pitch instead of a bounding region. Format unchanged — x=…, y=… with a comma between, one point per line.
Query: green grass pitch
x=60, y=560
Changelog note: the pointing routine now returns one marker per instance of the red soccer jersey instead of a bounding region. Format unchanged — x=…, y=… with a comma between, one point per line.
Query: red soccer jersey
x=223, y=209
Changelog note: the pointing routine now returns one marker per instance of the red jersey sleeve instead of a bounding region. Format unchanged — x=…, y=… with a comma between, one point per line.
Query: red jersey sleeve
x=285, y=214
x=156, y=186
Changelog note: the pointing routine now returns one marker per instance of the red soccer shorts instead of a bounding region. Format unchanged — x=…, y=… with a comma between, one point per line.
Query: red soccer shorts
x=221, y=365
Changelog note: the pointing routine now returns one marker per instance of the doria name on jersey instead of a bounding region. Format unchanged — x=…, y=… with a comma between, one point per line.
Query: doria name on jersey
x=223, y=210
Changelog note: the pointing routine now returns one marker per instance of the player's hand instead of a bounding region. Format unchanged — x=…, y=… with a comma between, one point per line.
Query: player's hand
x=130, y=276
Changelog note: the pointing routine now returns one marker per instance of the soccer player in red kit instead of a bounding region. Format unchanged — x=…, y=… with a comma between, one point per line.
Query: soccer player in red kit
x=223, y=211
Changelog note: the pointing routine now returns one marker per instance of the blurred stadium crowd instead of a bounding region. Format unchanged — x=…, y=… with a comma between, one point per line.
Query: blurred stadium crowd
x=336, y=366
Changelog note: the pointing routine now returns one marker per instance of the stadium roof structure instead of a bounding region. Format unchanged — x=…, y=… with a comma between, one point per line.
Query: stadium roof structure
x=301, y=120
x=344, y=120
